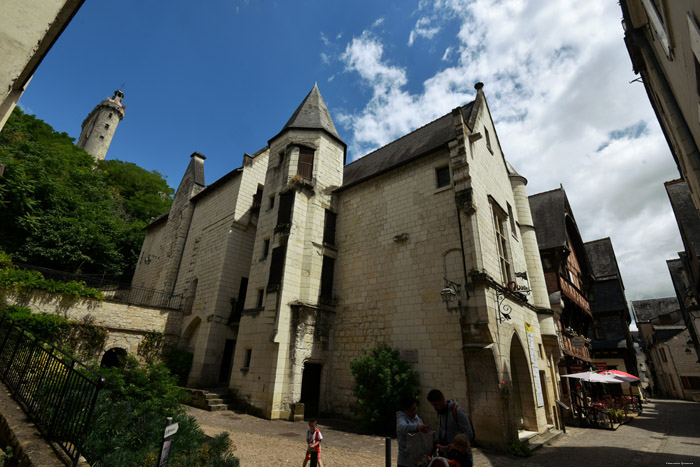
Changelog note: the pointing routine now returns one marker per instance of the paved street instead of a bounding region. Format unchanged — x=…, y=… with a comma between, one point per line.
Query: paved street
x=667, y=433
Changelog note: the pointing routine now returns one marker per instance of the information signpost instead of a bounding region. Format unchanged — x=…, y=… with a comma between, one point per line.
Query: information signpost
x=170, y=430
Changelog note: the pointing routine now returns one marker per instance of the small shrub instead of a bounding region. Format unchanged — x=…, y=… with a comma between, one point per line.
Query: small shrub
x=179, y=362
x=382, y=377
x=519, y=449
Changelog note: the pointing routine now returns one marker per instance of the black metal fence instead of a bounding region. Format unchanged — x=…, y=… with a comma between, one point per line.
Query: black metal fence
x=114, y=290
x=58, y=392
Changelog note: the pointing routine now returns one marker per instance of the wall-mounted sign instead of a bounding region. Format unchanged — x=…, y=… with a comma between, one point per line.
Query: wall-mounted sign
x=578, y=342
x=533, y=364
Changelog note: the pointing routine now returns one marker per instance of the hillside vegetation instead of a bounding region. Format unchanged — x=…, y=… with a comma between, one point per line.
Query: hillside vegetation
x=61, y=210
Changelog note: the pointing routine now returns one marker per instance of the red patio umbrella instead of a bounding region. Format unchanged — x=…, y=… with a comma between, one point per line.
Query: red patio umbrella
x=621, y=375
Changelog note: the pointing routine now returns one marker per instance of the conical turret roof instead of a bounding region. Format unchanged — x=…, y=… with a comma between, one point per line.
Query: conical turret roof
x=312, y=113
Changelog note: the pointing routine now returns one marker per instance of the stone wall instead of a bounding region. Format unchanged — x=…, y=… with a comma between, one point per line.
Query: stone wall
x=126, y=324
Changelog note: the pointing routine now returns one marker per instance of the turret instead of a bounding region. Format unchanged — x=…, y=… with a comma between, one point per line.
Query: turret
x=99, y=126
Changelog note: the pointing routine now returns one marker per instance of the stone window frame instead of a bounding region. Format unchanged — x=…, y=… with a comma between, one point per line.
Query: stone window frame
x=266, y=249
x=271, y=201
x=247, y=359
x=260, y=300
x=488, y=140
x=503, y=249
x=513, y=227
x=448, y=182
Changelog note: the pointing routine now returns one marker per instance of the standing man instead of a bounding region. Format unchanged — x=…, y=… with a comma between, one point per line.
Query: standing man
x=452, y=420
x=407, y=421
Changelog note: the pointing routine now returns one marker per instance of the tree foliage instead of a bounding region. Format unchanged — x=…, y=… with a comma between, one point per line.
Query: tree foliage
x=382, y=377
x=128, y=421
x=61, y=210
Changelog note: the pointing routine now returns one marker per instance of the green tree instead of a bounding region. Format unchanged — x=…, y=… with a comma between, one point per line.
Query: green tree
x=382, y=377
x=63, y=211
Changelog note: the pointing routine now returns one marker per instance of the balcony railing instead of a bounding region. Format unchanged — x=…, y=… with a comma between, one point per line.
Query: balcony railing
x=113, y=289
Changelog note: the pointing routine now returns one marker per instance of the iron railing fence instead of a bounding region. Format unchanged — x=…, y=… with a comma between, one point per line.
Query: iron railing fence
x=114, y=290
x=57, y=391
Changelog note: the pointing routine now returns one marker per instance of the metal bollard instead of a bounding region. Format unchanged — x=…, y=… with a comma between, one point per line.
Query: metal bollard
x=314, y=458
x=387, y=444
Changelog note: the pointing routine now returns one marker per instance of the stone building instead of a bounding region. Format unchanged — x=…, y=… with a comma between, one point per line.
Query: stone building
x=28, y=30
x=667, y=343
x=295, y=264
x=613, y=347
x=685, y=271
x=663, y=41
x=99, y=126
x=568, y=276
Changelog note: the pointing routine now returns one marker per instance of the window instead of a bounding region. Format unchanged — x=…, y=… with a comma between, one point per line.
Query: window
x=442, y=176
x=106, y=126
x=261, y=299
x=327, y=277
x=266, y=248
x=248, y=357
x=306, y=163
x=691, y=382
x=102, y=137
x=257, y=198
x=488, y=140
x=513, y=230
x=282, y=155
x=499, y=222
x=110, y=115
x=271, y=203
x=238, y=307
x=663, y=354
x=329, y=228
x=284, y=215
x=276, y=266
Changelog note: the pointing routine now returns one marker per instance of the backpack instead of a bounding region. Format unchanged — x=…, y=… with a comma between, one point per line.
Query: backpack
x=454, y=414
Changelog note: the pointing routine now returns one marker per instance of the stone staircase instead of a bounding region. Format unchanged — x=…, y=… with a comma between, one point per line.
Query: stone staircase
x=211, y=399
x=535, y=441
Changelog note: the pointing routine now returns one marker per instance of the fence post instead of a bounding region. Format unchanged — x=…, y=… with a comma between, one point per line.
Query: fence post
x=387, y=449
x=12, y=357
x=52, y=426
x=314, y=458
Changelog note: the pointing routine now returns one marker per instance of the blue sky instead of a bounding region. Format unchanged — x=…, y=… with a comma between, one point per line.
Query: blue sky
x=223, y=77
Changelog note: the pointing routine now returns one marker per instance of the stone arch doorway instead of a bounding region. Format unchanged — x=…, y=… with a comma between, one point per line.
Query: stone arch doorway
x=311, y=389
x=523, y=398
x=188, y=340
x=113, y=358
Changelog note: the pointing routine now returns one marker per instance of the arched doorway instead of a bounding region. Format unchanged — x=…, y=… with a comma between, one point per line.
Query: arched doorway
x=113, y=358
x=523, y=399
x=189, y=337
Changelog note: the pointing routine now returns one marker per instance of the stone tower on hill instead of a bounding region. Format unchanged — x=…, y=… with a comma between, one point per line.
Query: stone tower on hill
x=99, y=127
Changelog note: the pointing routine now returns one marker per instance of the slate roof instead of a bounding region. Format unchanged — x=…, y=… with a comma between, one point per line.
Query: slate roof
x=312, y=113
x=602, y=259
x=664, y=333
x=646, y=310
x=687, y=216
x=549, y=211
x=607, y=296
x=675, y=268
x=418, y=143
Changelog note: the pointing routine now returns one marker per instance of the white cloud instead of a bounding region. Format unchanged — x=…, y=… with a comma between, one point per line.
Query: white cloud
x=446, y=55
x=557, y=81
x=422, y=29
x=325, y=40
x=377, y=22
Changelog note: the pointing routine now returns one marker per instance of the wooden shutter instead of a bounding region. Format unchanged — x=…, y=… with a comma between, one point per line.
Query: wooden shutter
x=306, y=163
x=277, y=266
x=329, y=228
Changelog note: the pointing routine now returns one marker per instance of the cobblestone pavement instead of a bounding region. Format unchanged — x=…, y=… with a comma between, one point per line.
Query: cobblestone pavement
x=667, y=433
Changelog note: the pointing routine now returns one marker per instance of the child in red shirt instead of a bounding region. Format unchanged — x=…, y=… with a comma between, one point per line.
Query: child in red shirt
x=313, y=439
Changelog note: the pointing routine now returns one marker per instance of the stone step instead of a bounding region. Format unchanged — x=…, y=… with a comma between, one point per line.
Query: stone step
x=217, y=407
x=542, y=439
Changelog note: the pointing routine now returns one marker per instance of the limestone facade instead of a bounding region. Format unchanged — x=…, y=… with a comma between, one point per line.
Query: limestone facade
x=338, y=258
x=28, y=29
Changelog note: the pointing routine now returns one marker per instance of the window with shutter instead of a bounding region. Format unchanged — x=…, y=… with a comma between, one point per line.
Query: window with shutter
x=329, y=228
x=284, y=215
x=327, y=278
x=306, y=163
x=276, y=266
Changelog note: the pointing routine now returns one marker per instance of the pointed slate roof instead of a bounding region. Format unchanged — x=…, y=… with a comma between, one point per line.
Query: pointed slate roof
x=549, y=210
x=312, y=114
x=646, y=310
x=602, y=259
